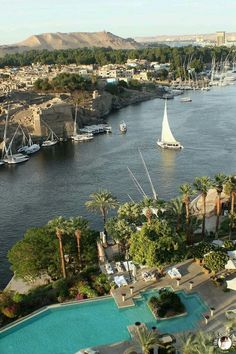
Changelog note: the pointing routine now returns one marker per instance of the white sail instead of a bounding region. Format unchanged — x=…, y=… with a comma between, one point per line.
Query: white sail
x=75, y=121
x=166, y=134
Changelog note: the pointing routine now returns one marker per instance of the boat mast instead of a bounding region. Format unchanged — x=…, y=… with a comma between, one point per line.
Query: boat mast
x=4, y=149
x=148, y=175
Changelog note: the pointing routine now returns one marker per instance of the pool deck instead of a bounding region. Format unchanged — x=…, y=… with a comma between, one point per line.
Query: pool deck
x=212, y=295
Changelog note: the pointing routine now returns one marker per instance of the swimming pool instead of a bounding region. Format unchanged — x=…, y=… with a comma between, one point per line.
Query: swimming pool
x=68, y=328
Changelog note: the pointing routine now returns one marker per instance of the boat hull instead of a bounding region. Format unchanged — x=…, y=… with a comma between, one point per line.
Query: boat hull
x=32, y=149
x=170, y=146
x=47, y=143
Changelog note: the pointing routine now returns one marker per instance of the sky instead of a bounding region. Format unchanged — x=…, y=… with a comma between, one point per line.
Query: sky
x=126, y=18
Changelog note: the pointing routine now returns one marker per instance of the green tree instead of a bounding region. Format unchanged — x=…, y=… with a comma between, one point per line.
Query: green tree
x=156, y=244
x=198, y=343
x=186, y=193
x=203, y=184
x=230, y=189
x=38, y=253
x=101, y=202
x=146, y=339
x=176, y=211
x=218, y=184
x=216, y=260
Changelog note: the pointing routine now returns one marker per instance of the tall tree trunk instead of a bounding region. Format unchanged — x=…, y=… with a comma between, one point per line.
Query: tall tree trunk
x=218, y=210
x=232, y=202
x=231, y=214
x=187, y=221
x=148, y=215
x=78, y=237
x=63, y=268
x=103, y=211
x=204, y=215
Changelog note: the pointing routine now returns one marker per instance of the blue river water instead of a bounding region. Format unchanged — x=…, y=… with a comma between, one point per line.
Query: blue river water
x=58, y=180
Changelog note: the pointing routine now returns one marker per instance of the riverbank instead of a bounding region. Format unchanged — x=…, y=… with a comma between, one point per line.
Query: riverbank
x=34, y=111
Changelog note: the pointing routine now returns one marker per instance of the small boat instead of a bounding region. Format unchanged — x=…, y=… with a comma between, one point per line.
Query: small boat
x=123, y=127
x=108, y=129
x=1, y=162
x=51, y=140
x=83, y=137
x=80, y=137
x=168, y=141
x=13, y=159
x=28, y=147
x=185, y=99
x=8, y=156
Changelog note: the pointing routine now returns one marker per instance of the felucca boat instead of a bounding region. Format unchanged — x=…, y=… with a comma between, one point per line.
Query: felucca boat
x=168, y=140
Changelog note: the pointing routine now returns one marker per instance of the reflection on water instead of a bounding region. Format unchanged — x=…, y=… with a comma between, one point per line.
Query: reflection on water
x=58, y=180
x=168, y=160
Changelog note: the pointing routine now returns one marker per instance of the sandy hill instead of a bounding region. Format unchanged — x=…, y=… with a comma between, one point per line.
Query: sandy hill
x=72, y=40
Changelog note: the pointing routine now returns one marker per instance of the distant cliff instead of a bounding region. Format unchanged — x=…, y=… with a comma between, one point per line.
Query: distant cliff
x=51, y=41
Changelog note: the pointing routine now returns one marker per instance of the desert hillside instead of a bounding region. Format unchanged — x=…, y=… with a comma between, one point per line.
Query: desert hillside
x=72, y=40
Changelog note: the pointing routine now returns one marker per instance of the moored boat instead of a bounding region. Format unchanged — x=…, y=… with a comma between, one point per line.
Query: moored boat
x=185, y=99
x=123, y=127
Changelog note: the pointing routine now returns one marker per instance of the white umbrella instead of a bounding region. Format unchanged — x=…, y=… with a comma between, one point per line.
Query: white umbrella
x=231, y=264
x=231, y=284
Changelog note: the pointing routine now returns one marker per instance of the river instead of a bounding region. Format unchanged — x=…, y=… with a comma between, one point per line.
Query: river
x=58, y=180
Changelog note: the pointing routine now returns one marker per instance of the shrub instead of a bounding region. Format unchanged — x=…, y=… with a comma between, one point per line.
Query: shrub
x=216, y=260
x=201, y=249
x=229, y=245
x=10, y=311
x=167, y=304
x=61, y=287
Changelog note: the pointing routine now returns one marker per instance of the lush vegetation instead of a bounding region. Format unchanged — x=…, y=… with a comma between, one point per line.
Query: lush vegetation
x=64, y=82
x=38, y=253
x=215, y=260
x=167, y=304
x=152, y=232
x=178, y=57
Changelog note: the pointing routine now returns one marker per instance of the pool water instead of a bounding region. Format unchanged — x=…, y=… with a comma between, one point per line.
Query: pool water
x=68, y=328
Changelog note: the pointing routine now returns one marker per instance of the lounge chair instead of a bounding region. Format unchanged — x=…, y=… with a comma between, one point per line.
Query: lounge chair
x=109, y=269
x=128, y=265
x=174, y=273
x=119, y=267
x=120, y=280
x=230, y=314
x=147, y=276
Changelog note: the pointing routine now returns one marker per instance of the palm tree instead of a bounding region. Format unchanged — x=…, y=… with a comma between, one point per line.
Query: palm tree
x=146, y=339
x=176, y=209
x=59, y=236
x=203, y=184
x=198, y=343
x=102, y=201
x=230, y=189
x=218, y=184
x=59, y=226
x=186, y=192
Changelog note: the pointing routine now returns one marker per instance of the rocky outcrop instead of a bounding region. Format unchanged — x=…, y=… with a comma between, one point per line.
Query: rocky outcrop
x=41, y=112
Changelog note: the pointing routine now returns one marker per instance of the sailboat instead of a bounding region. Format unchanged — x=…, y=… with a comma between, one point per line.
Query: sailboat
x=11, y=158
x=52, y=138
x=80, y=137
x=167, y=141
x=28, y=147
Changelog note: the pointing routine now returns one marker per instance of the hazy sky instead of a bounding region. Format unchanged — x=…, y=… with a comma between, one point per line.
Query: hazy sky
x=127, y=18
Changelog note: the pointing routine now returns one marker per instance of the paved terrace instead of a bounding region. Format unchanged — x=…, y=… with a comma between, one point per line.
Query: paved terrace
x=201, y=283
